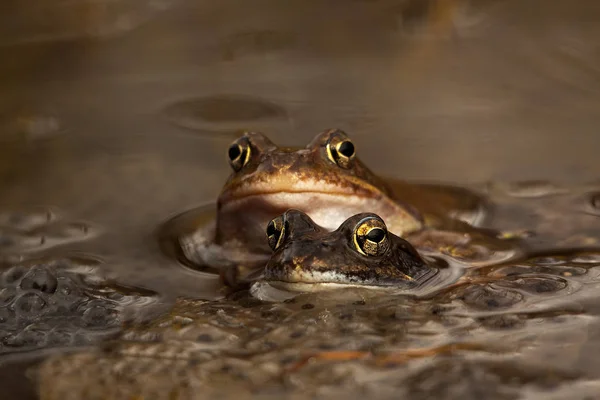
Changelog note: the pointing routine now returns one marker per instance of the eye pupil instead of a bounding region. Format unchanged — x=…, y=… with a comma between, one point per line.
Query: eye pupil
x=234, y=152
x=341, y=150
x=376, y=235
x=275, y=231
x=370, y=237
x=346, y=148
x=271, y=229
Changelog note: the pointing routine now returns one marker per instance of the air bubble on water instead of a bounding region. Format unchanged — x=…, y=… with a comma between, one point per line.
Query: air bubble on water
x=488, y=297
x=586, y=258
x=13, y=275
x=6, y=315
x=67, y=294
x=547, y=260
x=40, y=279
x=30, y=305
x=100, y=316
x=7, y=296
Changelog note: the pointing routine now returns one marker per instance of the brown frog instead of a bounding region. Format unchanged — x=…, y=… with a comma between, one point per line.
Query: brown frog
x=360, y=252
x=326, y=180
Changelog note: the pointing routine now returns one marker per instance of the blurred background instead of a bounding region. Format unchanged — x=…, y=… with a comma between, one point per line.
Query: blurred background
x=119, y=112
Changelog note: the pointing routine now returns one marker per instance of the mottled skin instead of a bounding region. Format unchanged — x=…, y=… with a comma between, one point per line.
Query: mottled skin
x=273, y=180
x=307, y=256
x=326, y=180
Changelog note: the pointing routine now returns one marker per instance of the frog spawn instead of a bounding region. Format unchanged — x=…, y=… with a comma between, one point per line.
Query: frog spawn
x=473, y=338
x=59, y=303
x=510, y=285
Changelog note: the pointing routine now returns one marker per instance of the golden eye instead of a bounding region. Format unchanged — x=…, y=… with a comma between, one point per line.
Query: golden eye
x=276, y=232
x=371, y=237
x=341, y=150
x=239, y=153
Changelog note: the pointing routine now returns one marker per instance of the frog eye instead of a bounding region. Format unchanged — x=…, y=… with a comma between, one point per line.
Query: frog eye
x=239, y=153
x=276, y=232
x=370, y=237
x=340, y=150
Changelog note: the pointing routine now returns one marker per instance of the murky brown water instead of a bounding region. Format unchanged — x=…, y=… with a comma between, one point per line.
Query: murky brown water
x=115, y=117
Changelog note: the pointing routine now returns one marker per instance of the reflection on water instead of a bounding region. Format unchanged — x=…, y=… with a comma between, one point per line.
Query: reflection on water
x=25, y=231
x=224, y=114
x=343, y=341
x=93, y=158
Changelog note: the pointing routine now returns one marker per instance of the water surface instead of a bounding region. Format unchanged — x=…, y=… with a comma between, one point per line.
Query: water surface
x=115, y=118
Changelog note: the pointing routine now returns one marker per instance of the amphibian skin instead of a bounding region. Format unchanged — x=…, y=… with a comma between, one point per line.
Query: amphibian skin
x=360, y=252
x=325, y=179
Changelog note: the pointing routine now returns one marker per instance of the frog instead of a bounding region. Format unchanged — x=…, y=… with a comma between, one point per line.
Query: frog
x=328, y=181
x=361, y=252
x=325, y=179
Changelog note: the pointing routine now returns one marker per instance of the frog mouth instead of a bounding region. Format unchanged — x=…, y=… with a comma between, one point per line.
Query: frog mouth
x=310, y=280
x=326, y=209
x=296, y=194
x=307, y=287
x=281, y=183
x=303, y=199
x=290, y=195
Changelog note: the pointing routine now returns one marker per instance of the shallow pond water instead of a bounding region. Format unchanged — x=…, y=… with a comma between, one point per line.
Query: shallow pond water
x=114, y=122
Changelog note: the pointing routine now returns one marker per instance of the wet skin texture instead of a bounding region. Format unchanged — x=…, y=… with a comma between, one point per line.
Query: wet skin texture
x=325, y=179
x=361, y=252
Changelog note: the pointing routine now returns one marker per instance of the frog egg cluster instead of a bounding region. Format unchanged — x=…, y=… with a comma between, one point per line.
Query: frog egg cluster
x=53, y=304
